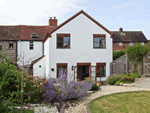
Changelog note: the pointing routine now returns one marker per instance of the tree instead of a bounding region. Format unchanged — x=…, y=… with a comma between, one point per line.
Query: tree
x=117, y=54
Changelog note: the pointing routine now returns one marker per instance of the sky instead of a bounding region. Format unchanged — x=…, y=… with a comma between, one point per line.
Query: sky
x=131, y=15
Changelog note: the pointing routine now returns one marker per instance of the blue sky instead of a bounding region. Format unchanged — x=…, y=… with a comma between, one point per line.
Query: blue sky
x=131, y=15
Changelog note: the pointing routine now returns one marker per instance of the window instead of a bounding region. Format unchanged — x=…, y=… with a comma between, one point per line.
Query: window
x=142, y=43
x=99, y=41
x=62, y=66
x=31, y=45
x=131, y=43
x=63, y=40
x=101, y=69
x=34, y=35
x=120, y=44
x=11, y=44
x=0, y=47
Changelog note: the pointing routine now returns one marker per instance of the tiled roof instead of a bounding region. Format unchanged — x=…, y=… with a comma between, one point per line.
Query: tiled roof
x=129, y=36
x=23, y=32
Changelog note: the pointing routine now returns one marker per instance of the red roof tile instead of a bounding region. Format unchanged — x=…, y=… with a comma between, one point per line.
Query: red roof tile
x=23, y=32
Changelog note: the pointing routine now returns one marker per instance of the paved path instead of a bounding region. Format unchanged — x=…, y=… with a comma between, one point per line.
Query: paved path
x=81, y=108
x=142, y=82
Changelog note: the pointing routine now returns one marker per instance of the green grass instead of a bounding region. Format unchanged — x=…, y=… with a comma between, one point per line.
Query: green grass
x=130, y=102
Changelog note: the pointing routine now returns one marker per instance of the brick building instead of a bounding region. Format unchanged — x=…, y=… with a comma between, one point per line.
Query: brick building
x=124, y=39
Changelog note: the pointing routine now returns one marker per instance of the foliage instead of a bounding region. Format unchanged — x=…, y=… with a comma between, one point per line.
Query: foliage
x=112, y=79
x=65, y=90
x=132, y=74
x=88, y=80
x=94, y=87
x=137, y=52
x=33, y=88
x=117, y=54
x=10, y=77
x=118, y=83
x=125, y=78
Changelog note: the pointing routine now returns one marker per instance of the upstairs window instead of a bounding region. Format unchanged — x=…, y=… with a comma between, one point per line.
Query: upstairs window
x=31, y=45
x=63, y=40
x=11, y=44
x=99, y=41
x=120, y=44
x=131, y=43
x=34, y=35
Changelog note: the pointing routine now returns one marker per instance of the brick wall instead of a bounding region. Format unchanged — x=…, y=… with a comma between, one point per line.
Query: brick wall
x=11, y=52
x=117, y=47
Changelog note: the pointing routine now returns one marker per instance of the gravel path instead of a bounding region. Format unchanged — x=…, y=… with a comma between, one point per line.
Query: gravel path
x=105, y=90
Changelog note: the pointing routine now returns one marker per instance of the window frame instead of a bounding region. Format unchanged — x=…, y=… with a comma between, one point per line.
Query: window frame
x=61, y=64
x=131, y=43
x=11, y=42
x=120, y=43
x=98, y=36
x=31, y=46
x=63, y=35
x=99, y=65
x=34, y=34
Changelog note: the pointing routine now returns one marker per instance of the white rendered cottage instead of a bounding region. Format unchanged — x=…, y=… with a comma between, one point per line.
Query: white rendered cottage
x=81, y=45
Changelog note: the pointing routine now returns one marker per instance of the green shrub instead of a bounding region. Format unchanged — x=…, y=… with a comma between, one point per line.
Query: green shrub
x=118, y=83
x=88, y=80
x=33, y=89
x=132, y=74
x=112, y=80
x=94, y=87
x=126, y=78
x=117, y=54
x=10, y=77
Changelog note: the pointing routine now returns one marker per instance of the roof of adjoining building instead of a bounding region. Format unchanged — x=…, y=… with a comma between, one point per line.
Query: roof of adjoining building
x=129, y=36
x=23, y=32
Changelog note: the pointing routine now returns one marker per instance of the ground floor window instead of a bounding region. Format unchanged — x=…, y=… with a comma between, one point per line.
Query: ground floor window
x=62, y=66
x=101, y=69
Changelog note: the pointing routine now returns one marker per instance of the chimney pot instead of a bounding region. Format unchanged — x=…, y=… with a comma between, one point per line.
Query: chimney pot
x=54, y=17
x=121, y=29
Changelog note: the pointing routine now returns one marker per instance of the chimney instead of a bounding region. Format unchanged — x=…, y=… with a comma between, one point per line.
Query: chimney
x=121, y=29
x=52, y=22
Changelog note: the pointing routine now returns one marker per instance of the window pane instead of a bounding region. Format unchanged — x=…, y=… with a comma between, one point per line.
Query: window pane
x=102, y=42
x=96, y=44
x=60, y=39
x=96, y=39
x=64, y=70
x=103, y=71
x=66, y=39
x=60, y=45
x=66, y=45
x=98, y=71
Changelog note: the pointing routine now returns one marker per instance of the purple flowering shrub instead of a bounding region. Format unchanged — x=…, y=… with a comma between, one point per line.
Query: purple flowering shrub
x=64, y=90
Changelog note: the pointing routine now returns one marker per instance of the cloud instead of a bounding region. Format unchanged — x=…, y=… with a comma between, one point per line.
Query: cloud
x=121, y=15
x=123, y=5
x=2, y=1
x=33, y=12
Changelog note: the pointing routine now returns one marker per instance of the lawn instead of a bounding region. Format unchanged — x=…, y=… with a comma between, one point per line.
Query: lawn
x=130, y=102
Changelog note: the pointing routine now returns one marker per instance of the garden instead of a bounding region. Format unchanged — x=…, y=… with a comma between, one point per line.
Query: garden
x=17, y=89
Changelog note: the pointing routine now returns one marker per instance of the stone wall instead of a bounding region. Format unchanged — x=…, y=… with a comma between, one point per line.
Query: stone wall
x=11, y=52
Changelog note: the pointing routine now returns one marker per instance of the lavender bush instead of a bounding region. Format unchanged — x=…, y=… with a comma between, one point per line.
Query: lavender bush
x=64, y=90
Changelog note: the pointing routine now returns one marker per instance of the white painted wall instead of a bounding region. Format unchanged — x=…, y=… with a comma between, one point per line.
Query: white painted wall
x=47, y=56
x=29, y=55
x=39, y=71
x=81, y=29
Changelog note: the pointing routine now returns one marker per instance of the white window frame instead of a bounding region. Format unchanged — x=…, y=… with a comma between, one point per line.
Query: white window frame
x=142, y=43
x=120, y=44
x=34, y=34
x=131, y=43
x=31, y=45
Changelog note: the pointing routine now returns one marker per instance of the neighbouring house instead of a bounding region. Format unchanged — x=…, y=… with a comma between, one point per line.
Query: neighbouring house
x=80, y=45
x=124, y=39
x=24, y=42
